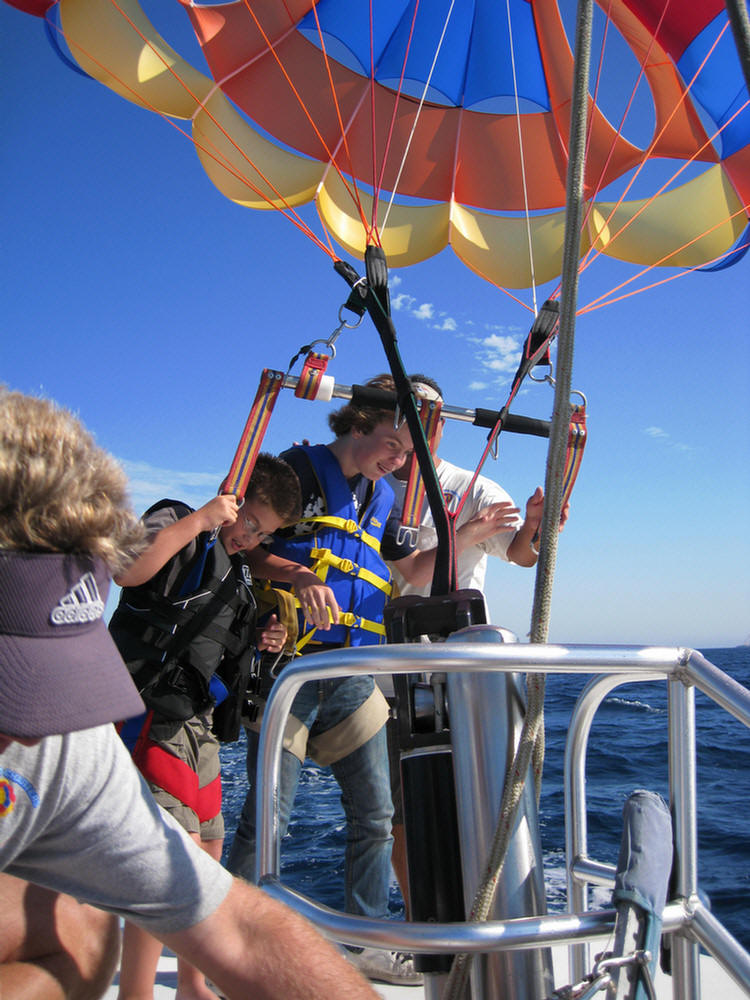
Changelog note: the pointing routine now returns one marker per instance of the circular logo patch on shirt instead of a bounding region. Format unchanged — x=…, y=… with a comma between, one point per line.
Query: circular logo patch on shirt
x=7, y=797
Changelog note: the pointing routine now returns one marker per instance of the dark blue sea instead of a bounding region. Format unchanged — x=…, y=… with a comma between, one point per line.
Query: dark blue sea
x=627, y=750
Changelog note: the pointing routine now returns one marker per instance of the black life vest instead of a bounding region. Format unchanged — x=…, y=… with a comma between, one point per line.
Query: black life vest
x=176, y=630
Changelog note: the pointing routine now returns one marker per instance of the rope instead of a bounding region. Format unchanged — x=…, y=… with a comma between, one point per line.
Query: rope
x=531, y=743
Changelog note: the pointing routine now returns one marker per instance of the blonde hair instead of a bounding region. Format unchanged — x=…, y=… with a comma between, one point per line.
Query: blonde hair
x=59, y=491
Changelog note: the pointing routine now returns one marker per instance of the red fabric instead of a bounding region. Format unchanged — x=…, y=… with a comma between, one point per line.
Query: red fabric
x=176, y=777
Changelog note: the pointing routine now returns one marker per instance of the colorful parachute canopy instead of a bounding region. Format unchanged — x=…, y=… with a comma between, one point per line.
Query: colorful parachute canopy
x=422, y=124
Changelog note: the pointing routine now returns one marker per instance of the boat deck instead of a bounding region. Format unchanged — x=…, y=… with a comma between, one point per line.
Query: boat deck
x=715, y=983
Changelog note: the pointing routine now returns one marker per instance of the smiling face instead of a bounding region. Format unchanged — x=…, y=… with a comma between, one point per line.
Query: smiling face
x=255, y=522
x=383, y=450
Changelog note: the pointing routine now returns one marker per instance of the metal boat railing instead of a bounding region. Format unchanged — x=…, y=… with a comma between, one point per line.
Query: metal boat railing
x=686, y=918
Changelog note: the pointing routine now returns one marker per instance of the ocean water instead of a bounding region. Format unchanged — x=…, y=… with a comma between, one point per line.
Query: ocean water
x=627, y=750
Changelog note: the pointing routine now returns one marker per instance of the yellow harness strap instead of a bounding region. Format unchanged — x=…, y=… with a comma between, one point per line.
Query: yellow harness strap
x=323, y=558
x=344, y=524
x=350, y=620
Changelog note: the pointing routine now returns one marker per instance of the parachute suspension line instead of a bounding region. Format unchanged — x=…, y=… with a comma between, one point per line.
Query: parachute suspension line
x=542, y=333
x=344, y=135
x=354, y=194
x=530, y=750
x=422, y=100
x=522, y=158
x=623, y=118
x=593, y=254
x=288, y=211
x=607, y=298
x=378, y=184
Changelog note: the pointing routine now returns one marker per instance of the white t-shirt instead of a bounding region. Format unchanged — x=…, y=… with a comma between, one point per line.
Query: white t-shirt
x=76, y=817
x=472, y=564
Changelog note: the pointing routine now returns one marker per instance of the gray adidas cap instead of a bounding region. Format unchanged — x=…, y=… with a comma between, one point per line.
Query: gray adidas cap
x=59, y=668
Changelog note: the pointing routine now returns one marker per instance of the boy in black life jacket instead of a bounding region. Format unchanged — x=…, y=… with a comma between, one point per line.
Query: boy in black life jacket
x=186, y=610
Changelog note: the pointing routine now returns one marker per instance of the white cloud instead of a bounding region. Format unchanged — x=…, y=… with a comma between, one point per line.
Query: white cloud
x=447, y=323
x=499, y=353
x=656, y=432
x=394, y=280
x=478, y=386
x=149, y=483
x=425, y=311
x=402, y=301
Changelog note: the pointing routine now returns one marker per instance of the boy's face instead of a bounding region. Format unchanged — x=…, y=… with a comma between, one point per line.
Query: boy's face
x=255, y=522
x=382, y=451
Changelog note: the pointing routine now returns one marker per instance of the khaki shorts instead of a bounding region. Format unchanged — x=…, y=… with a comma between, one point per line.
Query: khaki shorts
x=196, y=808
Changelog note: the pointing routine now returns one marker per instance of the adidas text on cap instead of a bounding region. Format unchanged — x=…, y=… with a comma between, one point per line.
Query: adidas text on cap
x=59, y=668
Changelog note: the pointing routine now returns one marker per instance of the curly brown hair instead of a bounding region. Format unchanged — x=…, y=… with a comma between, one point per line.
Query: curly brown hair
x=360, y=417
x=59, y=491
x=274, y=482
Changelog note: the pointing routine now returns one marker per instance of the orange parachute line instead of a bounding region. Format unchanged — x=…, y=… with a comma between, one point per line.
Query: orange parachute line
x=605, y=300
x=344, y=136
x=594, y=252
x=623, y=118
x=618, y=147
x=303, y=106
x=288, y=211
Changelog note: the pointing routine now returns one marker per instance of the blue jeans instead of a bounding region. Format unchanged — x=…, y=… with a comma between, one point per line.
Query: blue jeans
x=364, y=781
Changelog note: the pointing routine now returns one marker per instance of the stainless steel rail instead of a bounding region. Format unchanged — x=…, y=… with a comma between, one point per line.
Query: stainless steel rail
x=685, y=918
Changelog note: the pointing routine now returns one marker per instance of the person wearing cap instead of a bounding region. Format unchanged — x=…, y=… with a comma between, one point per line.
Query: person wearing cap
x=78, y=825
x=489, y=524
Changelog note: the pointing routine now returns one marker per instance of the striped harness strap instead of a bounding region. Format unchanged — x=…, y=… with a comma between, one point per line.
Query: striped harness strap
x=411, y=514
x=576, y=444
x=313, y=371
x=255, y=429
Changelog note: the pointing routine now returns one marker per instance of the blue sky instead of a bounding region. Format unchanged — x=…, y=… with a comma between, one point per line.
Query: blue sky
x=135, y=294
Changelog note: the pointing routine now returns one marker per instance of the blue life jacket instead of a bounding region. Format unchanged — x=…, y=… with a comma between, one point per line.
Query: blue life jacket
x=343, y=549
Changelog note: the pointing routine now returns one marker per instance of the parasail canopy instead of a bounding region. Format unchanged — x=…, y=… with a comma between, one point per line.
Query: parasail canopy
x=418, y=124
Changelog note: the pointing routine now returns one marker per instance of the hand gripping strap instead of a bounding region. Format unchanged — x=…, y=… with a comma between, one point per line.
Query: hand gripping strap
x=349, y=620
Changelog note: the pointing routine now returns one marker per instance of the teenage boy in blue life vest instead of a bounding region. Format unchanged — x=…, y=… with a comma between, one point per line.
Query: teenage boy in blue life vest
x=186, y=611
x=341, y=722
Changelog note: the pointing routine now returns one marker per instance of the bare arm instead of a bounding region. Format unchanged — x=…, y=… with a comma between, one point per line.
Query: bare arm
x=524, y=549
x=167, y=542
x=417, y=568
x=252, y=946
x=319, y=606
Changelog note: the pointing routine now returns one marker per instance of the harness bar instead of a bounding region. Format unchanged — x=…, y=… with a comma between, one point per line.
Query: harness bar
x=479, y=417
x=307, y=386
